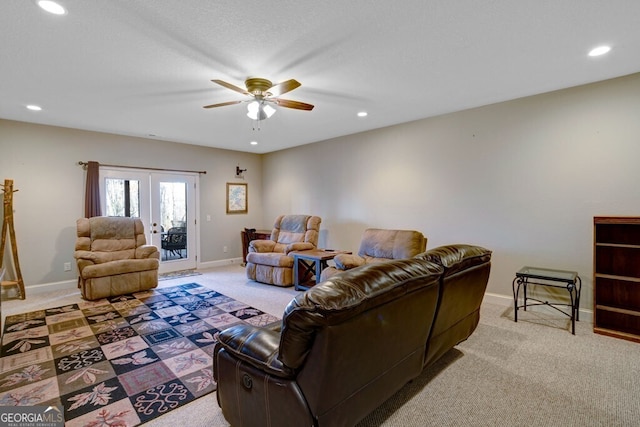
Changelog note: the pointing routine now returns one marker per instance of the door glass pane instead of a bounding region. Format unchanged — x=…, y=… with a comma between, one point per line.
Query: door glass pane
x=173, y=214
x=122, y=197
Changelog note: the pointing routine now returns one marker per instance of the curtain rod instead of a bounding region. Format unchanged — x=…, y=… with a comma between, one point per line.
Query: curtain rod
x=84, y=166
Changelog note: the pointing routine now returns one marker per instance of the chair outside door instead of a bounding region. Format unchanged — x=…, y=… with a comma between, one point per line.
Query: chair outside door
x=174, y=242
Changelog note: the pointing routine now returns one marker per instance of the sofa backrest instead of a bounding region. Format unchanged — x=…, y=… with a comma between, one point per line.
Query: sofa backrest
x=295, y=228
x=362, y=330
x=463, y=284
x=110, y=238
x=381, y=244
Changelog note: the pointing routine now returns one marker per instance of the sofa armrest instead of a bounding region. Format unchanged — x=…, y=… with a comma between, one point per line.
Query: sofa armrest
x=348, y=261
x=299, y=246
x=147, y=251
x=87, y=255
x=261, y=246
x=257, y=346
x=82, y=264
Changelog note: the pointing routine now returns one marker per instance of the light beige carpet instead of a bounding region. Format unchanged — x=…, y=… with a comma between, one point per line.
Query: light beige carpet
x=530, y=373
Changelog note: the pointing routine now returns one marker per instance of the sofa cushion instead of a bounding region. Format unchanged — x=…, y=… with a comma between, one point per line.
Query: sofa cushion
x=391, y=244
x=257, y=346
x=290, y=228
x=100, y=257
x=113, y=245
x=344, y=297
x=294, y=224
x=458, y=257
x=112, y=228
x=273, y=259
x=119, y=267
x=348, y=261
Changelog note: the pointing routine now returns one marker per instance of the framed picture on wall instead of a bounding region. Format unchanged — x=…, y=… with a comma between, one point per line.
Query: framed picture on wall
x=237, y=200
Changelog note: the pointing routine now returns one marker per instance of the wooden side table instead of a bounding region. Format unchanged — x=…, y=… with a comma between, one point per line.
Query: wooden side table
x=260, y=234
x=307, y=266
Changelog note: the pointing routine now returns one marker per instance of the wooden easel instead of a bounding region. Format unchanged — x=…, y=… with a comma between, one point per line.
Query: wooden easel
x=8, y=224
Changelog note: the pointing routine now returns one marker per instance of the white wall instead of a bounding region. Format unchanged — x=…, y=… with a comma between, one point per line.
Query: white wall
x=42, y=161
x=523, y=178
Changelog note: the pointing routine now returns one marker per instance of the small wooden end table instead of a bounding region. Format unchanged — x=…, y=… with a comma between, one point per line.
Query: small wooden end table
x=307, y=266
x=259, y=234
x=568, y=280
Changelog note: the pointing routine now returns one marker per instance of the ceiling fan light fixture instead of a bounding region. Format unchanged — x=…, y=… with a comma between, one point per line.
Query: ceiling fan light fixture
x=264, y=96
x=259, y=111
x=269, y=110
x=254, y=112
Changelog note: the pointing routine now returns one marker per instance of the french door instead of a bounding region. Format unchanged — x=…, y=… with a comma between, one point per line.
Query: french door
x=166, y=204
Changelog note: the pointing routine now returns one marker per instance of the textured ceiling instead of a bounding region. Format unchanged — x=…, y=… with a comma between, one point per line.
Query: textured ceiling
x=144, y=68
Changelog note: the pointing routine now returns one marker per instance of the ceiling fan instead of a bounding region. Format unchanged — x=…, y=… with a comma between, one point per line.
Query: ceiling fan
x=263, y=93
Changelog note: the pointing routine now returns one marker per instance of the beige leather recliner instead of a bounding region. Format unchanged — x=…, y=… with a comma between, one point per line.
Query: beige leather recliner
x=379, y=245
x=268, y=261
x=113, y=257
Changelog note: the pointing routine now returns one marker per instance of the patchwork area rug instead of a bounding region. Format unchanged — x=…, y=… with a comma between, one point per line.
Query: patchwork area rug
x=119, y=361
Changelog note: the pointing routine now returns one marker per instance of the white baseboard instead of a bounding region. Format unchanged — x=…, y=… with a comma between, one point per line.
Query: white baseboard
x=54, y=286
x=219, y=263
x=499, y=299
x=507, y=301
x=73, y=284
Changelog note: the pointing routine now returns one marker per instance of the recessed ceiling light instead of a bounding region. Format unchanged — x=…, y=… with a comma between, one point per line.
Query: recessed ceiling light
x=362, y=114
x=52, y=7
x=254, y=143
x=34, y=107
x=600, y=50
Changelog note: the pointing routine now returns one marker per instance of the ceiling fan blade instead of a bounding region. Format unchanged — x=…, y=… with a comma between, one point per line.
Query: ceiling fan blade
x=293, y=104
x=284, y=87
x=222, y=104
x=232, y=87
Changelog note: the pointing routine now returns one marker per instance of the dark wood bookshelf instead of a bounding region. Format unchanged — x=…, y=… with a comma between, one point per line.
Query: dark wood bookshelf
x=616, y=277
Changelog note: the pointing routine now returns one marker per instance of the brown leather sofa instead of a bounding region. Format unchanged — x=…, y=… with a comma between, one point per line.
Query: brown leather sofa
x=347, y=344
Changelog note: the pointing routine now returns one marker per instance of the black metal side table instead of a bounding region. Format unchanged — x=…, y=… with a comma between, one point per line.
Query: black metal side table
x=568, y=280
